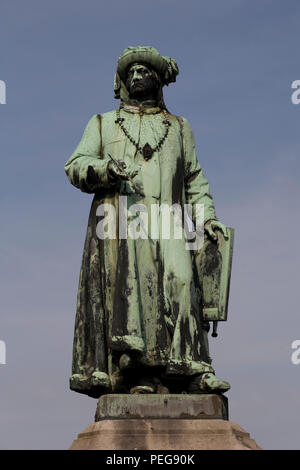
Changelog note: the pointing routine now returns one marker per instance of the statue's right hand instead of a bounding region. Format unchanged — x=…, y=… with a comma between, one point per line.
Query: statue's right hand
x=117, y=172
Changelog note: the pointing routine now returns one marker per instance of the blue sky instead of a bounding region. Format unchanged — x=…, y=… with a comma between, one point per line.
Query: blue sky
x=237, y=60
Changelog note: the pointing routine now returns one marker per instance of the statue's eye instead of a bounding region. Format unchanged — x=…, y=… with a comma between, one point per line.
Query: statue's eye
x=142, y=71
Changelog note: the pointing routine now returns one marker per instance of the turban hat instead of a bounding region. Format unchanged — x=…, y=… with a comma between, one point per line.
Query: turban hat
x=166, y=67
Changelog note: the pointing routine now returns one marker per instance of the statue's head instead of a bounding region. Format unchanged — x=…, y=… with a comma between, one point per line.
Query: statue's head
x=141, y=74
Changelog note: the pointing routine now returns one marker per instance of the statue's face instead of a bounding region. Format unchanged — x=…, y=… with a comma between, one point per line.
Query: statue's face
x=140, y=81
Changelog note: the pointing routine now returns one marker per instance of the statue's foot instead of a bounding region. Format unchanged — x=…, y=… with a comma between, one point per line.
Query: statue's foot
x=149, y=385
x=141, y=389
x=209, y=383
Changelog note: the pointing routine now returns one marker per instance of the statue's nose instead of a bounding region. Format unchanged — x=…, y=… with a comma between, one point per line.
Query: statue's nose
x=136, y=76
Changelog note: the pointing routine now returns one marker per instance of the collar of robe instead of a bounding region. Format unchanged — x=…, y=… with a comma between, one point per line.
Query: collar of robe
x=146, y=107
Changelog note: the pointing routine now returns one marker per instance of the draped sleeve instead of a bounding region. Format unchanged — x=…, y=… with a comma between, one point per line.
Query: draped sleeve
x=196, y=185
x=86, y=168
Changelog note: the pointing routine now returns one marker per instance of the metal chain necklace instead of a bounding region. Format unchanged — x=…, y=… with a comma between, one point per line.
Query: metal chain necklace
x=147, y=151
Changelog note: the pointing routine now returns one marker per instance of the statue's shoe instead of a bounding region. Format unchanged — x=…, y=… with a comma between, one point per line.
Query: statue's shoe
x=149, y=385
x=208, y=383
x=141, y=389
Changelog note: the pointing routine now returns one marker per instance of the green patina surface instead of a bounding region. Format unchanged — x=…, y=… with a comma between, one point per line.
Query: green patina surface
x=141, y=297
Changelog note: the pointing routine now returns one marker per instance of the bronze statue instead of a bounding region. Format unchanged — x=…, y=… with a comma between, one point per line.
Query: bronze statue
x=141, y=323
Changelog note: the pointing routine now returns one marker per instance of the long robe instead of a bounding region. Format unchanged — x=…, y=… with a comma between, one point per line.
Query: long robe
x=138, y=296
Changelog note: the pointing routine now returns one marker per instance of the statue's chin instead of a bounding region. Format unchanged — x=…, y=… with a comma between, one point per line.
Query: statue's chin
x=137, y=95
x=140, y=93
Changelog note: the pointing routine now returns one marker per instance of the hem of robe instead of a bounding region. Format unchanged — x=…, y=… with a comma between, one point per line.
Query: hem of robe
x=183, y=368
x=158, y=357
x=94, y=385
x=127, y=343
x=187, y=368
x=99, y=383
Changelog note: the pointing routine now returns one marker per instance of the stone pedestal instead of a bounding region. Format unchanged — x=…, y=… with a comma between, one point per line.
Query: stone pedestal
x=204, y=406
x=163, y=422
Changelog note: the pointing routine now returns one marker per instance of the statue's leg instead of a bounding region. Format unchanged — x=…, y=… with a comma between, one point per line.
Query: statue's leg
x=181, y=297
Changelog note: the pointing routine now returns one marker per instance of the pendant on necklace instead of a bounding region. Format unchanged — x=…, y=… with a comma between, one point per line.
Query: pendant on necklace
x=147, y=151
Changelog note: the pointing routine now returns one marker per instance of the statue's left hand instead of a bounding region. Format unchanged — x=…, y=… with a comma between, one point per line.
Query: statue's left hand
x=212, y=225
